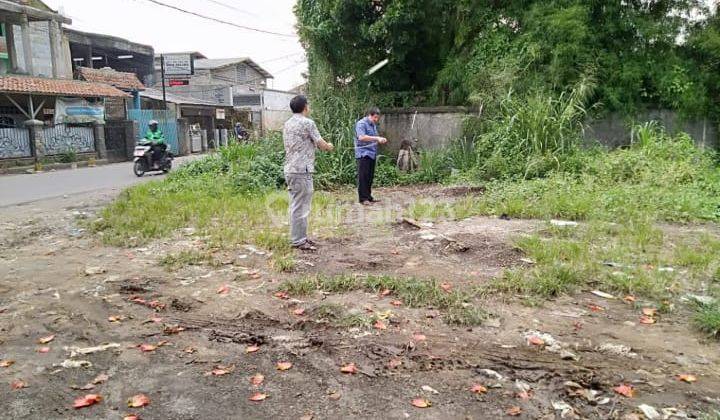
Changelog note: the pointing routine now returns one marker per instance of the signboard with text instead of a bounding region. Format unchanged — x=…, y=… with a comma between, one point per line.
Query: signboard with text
x=178, y=65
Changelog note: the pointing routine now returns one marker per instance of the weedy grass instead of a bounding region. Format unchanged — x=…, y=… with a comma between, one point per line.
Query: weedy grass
x=707, y=318
x=414, y=293
x=185, y=258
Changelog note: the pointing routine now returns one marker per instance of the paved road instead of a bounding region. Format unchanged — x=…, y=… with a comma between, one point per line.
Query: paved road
x=21, y=189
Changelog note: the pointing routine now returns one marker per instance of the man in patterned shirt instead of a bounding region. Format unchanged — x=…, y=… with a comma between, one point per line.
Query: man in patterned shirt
x=301, y=137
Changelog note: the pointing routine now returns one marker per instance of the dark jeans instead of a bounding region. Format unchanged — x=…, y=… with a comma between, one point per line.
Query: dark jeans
x=366, y=175
x=158, y=151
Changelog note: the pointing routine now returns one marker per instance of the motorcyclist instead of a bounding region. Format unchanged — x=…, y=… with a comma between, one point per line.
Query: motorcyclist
x=240, y=132
x=156, y=138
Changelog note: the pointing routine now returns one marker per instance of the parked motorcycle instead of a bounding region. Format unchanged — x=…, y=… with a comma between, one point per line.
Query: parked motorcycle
x=143, y=160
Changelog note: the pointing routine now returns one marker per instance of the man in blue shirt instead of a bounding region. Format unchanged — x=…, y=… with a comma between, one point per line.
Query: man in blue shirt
x=366, y=149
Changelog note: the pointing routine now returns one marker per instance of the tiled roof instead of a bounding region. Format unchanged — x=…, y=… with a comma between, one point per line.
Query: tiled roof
x=57, y=87
x=120, y=80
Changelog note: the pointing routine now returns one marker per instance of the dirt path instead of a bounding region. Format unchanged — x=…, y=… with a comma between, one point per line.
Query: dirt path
x=56, y=279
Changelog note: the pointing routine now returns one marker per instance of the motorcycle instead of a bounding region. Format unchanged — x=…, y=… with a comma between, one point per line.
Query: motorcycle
x=143, y=160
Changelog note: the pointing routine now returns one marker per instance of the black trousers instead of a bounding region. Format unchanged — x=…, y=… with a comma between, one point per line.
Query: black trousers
x=366, y=175
x=158, y=151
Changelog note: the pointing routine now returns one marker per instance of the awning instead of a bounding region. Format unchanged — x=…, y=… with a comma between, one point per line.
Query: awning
x=57, y=87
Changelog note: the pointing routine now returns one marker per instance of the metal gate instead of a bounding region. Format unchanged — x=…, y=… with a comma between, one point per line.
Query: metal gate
x=116, y=140
x=61, y=139
x=166, y=120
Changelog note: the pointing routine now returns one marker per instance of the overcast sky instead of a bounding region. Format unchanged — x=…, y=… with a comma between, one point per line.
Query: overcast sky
x=169, y=30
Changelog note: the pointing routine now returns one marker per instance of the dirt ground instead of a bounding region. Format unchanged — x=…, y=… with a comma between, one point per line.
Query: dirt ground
x=57, y=279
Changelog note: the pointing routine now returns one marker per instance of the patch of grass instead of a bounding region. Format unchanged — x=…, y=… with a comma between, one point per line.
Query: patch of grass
x=328, y=311
x=186, y=258
x=299, y=287
x=356, y=321
x=414, y=293
x=707, y=318
x=283, y=263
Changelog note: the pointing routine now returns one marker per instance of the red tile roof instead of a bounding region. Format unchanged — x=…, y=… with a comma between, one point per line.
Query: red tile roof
x=120, y=80
x=57, y=87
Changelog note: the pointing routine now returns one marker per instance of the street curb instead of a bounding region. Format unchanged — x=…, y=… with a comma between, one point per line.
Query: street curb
x=50, y=167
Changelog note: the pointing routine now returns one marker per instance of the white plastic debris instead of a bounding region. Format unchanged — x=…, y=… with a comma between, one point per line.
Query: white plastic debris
x=617, y=350
x=649, y=411
x=75, y=364
x=491, y=374
x=551, y=344
x=74, y=351
x=563, y=223
x=602, y=294
x=430, y=390
x=91, y=271
x=564, y=408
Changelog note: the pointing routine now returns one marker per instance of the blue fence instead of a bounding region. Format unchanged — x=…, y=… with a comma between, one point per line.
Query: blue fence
x=167, y=122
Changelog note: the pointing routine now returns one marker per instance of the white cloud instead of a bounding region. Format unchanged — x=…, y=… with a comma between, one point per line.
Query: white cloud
x=169, y=30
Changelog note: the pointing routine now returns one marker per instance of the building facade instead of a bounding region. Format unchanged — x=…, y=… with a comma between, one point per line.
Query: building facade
x=45, y=115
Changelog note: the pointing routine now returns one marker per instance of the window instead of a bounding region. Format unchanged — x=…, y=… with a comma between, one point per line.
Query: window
x=241, y=75
x=4, y=59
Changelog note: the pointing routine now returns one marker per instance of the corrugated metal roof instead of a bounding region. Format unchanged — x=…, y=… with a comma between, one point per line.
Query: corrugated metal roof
x=156, y=94
x=216, y=63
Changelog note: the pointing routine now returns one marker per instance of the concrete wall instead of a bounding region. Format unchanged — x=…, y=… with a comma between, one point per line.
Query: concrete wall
x=434, y=128
x=276, y=109
x=614, y=130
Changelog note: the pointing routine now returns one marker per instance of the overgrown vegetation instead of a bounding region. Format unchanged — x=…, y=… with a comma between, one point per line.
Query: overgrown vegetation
x=644, y=53
x=414, y=293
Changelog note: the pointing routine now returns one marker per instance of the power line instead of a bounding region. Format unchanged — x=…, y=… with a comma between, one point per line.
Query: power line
x=224, y=22
x=219, y=3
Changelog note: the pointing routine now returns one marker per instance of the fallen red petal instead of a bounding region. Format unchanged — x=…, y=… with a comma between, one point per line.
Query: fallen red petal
x=687, y=378
x=536, y=341
x=379, y=325
x=224, y=290
x=647, y=320
x=625, y=390
x=284, y=366
x=421, y=403
x=349, y=369
x=43, y=350
x=140, y=400
x=514, y=411
x=299, y=311
x=257, y=397
x=18, y=384
x=147, y=347
x=257, y=379
x=478, y=389
x=87, y=401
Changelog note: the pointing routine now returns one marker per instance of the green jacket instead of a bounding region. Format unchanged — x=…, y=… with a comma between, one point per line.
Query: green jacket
x=156, y=137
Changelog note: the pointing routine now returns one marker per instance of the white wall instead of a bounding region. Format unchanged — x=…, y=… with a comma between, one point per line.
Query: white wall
x=276, y=108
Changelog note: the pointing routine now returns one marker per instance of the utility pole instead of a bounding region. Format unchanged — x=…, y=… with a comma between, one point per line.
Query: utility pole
x=162, y=71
